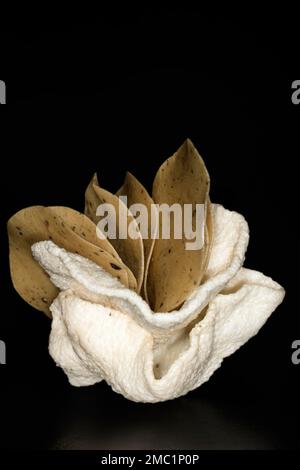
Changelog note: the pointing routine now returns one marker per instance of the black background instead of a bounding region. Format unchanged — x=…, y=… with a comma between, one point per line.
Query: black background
x=120, y=92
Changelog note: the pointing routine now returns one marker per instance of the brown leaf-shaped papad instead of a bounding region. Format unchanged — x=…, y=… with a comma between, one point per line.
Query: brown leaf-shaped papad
x=137, y=194
x=209, y=235
x=129, y=249
x=68, y=229
x=175, y=272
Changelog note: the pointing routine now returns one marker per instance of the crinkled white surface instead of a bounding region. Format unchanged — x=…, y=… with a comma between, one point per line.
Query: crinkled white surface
x=102, y=330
